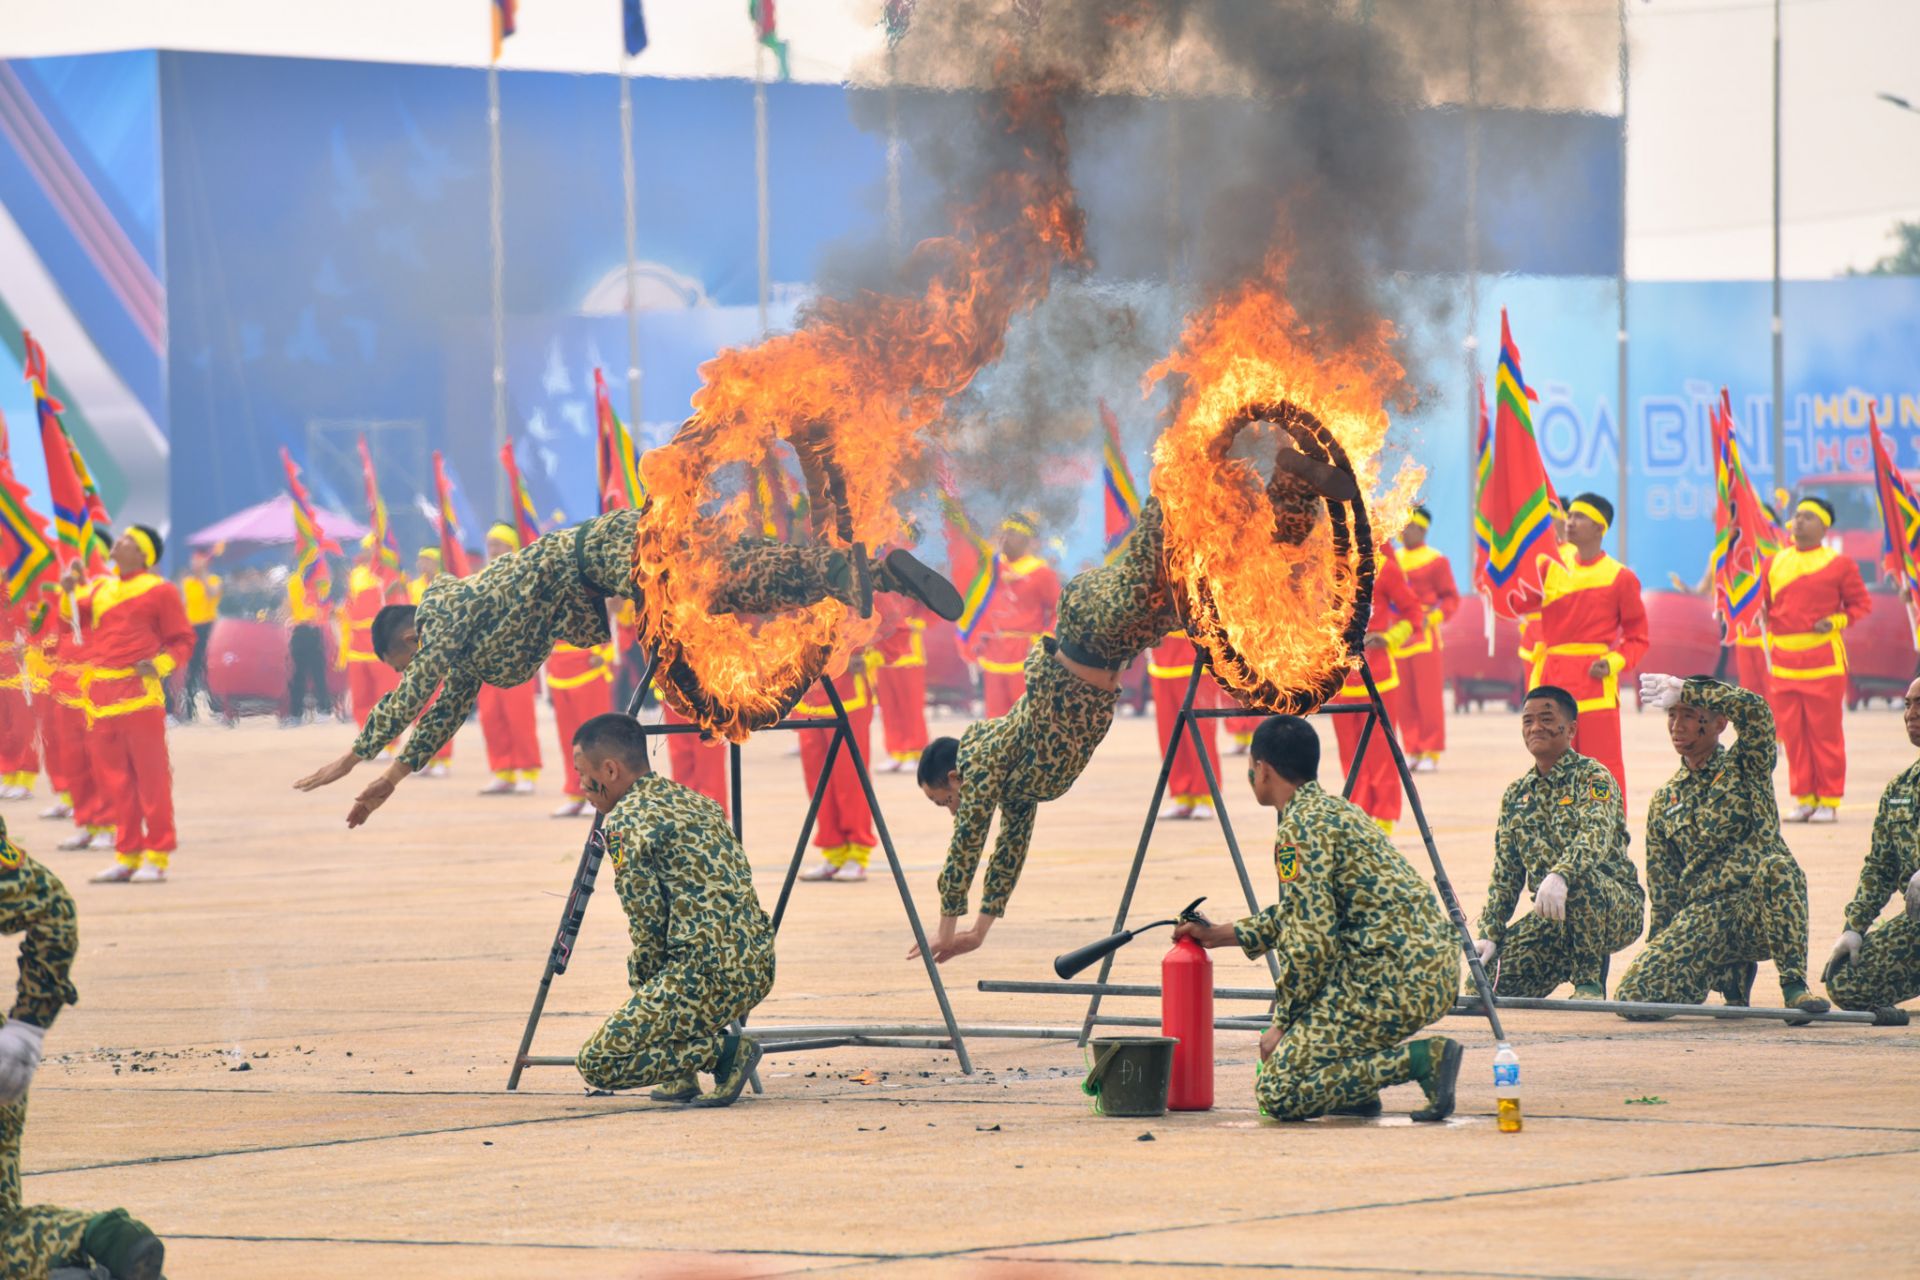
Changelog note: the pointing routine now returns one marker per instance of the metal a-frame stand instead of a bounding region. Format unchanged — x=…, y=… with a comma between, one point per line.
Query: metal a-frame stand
x=793, y=1038
x=1187, y=725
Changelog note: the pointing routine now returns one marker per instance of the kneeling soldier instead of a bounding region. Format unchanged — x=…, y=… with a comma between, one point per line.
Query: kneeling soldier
x=702, y=947
x=1726, y=891
x=1367, y=956
x=1562, y=834
x=1883, y=968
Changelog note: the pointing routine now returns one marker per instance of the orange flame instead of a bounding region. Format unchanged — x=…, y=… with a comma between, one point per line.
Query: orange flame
x=865, y=377
x=1275, y=616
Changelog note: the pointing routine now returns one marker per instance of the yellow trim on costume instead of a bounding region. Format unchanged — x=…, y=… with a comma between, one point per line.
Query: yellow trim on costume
x=1570, y=575
x=1415, y=558
x=1807, y=642
x=145, y=543
x=1790, y=564
x=1609, y=697
x=1826, y=802
x=151, y=696
x=1158, y=672
x=602, y=672
x=916, y=654
x=1023, y=566
x=1812, y=508
x=1591, y=512
x=109, y=593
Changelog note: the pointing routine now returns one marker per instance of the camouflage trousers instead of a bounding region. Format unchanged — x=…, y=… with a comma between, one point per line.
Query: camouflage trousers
x=1691, y=955
x=762, y=576
x=1111, y=614
x=1348, y=1042
x=1886, y=972
x=1538, y=954
x=33, y=1238
x=673, y=1024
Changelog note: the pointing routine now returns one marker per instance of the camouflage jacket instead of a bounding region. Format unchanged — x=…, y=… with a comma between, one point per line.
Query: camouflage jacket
x=684, y=880
x=497, y=626
x=1708, y=829
x=34, y=902
x=1568, y=822
x=1894, y=855
x=1345, y=893
x=1014, y=763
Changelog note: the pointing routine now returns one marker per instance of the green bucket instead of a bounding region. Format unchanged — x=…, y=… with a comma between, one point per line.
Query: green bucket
x=1128, y=1075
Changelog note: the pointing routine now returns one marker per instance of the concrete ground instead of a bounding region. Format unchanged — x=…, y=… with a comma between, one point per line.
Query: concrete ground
x=290, y=1060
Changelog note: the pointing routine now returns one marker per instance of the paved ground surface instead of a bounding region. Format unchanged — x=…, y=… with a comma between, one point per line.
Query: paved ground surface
x=290, y=1060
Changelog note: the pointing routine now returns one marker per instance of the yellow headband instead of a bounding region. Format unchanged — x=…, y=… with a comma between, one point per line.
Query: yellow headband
x=428, y=553
x=1017, y=524
x=1417, y=518
x=1814, y=508
x=505, y=533
x=142, y=541
x=1591, y=512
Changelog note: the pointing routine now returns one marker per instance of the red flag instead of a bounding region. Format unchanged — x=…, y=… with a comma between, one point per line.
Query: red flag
x=525, y=523
x=1514, y=515
x=1900, y=522
x=1122, y=498
x=619, y=465
x=311, y=545
x=453, y=544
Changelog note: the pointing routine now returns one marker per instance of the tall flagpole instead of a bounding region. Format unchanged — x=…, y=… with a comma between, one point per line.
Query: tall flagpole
x=627, y=181
x=1779, y=435
x=1621, y=416
x=497, y=200
x=1470, y=347
x=895, y=231
x=760, y=168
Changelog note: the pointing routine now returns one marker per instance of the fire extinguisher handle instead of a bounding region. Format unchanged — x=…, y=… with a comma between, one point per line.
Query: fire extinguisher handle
x=1192, y=912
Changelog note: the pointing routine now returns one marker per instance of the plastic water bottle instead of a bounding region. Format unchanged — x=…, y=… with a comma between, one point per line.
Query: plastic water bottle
x=1506, y=1087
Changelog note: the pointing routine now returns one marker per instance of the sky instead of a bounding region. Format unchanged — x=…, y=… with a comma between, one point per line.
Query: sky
x=1699, y=186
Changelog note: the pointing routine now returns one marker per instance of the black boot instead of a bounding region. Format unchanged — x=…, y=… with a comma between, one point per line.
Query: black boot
x=1735, y=983
x=1440, y=1080
x=1367, y=1108
x=902, y=574
x=124, y=1246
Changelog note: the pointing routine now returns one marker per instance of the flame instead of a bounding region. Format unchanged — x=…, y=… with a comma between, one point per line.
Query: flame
x=853, y=392
x=1279, y=607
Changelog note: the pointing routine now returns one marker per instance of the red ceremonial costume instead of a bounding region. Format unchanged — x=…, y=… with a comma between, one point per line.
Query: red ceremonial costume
x=698, y=763
x=510, y=730
x=1170, y=669
x=1591, y=611
x=1377, y=788
x=1809, y=667
x=902, y=685
x=1751, y=666
x=1024, y=607
x=135, y=620
x=580, y=681
x=843, y=829
x=1420, y=712
x=368, y=678
x=19, y=731
x=63, y=726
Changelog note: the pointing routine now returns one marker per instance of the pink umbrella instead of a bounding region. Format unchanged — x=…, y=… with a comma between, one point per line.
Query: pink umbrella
x=272, y=521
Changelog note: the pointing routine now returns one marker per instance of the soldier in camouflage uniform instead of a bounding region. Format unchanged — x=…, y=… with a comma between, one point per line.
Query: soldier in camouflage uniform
x=1726, y=892
x=702, y=947
x=1883, y=967
x=1562, y=835
x=1037, y=750
x=498, y=626
x=36, y=1238
x=1367, y=956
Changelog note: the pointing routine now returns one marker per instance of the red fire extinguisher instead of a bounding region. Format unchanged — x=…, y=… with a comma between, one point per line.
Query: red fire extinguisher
x=1186, y=1012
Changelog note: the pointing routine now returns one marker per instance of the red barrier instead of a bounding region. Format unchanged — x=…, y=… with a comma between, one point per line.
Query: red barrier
x=1683, y=638
x=1880, y=653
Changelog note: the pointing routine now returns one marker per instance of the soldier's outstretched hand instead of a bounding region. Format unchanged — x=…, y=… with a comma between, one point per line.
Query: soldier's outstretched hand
x=1661, y=692
x=328, y=773
x=367, y=801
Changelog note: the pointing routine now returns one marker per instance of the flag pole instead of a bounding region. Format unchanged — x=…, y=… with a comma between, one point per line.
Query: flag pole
x=760, y=168
x=497, y=240
x=1470, y=347
x=627, y=181
x=1620, y=288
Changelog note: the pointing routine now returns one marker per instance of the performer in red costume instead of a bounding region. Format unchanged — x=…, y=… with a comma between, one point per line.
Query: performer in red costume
x=843, y=828
x=1812, y=594
x=1377, y=788
x=580, y=682
x=140, y=637
x=1593, y=627
x=507, y=720
x=901, y=684
x=1024, y=608
x=1421, y=711
x=1169, y=670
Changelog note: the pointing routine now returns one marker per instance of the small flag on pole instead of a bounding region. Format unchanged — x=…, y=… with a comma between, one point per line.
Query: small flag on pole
x=1514, y=513
x=503, y=26
x=453, y=543
x=1744, y=535
x=526, y=522
x=311, y=545
x=379, y=529
x=970, y=558
x=1900, y=522
x=619, y=467
x=766, y=30
x=1122, y=499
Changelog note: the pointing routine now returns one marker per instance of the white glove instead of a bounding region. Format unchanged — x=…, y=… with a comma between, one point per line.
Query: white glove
x=19, y=1055
x=1486, y=948
x=1550, y=900
x=1660, y=692
x=1913, y=897
x=1845, y=951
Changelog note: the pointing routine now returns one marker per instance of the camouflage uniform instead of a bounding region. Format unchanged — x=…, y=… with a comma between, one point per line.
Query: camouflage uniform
x=498, y=626
x=1887, y=970
x=1725, y=889
x=35, y=1238
x=1037, y=750
x=1367, y=959
x=702, y=947
x=1568, y=822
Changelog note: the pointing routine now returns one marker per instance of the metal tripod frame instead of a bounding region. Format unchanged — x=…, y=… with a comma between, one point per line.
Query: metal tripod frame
x=1187, y=725
x=794, y=1039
